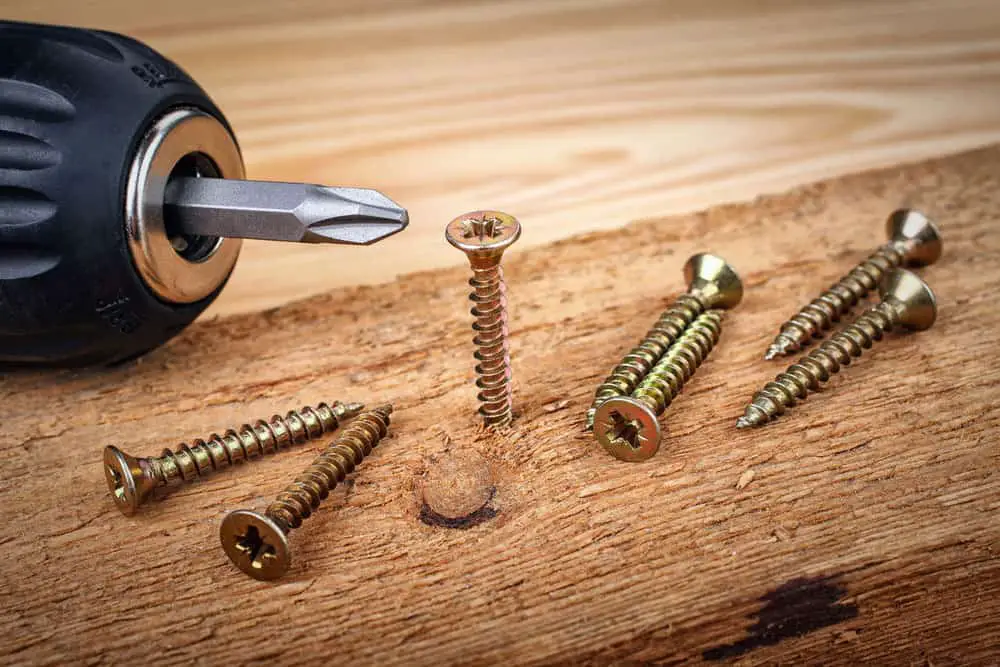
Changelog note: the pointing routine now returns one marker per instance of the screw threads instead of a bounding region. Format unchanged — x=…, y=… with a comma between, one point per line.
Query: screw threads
x=664, y=382
x=818, y=366
x=249, y=441
x=637, y=364
x=826, y=309
x=484, y=236
x=132, y=479
x=492, y=350
x=297, y=502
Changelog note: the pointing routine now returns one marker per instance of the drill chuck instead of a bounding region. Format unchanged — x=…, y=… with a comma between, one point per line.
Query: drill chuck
x=92, y=126
x=122, y=199
x=179, y=267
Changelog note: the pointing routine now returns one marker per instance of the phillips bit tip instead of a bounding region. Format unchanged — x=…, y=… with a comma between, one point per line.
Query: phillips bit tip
x=274, y=211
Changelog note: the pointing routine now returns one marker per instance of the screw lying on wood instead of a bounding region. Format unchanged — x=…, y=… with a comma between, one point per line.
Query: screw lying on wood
x=907, y=302
x=712, y=283
x=627, y=427
x=258, y=543
x=913, y=241
x=132, y=479
x=483, y=236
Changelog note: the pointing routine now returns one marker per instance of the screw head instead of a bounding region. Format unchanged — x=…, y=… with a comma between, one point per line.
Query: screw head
x=627, y=429
x=483, y=233
x=918, y=232
x=715, y=278
x=255, y=544
x=127, y=480
x=914, y=300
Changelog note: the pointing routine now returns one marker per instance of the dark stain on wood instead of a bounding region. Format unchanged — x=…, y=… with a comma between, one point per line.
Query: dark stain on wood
x=795, y=608
x=482, y=515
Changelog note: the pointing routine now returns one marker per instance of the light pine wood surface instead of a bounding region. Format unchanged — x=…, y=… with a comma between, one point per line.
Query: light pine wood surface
x=860, y=528
x=574, y=115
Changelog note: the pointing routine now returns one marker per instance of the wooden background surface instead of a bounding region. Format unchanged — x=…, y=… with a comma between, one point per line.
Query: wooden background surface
x=860, y=529
x=865, y=521
x=574, y=115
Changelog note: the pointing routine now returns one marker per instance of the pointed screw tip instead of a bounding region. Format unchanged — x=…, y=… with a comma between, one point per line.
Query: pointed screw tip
x=743, y=422
x=352, y=409
x=779, y=348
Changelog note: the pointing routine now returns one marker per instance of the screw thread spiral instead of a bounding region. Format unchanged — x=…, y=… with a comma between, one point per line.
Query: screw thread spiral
x=809, y=372
x=297, y=502
x=636, y=365
x=826, y=309
x=492, y=350
x=249, y=441
x=665, y=380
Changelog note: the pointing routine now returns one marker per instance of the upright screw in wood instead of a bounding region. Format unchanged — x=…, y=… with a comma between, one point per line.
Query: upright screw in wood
x=483, y=236
x=907, y=302
x=132, y=479
x=258, y=543
x=913, y=241
x=712, y=283
x=628, y=426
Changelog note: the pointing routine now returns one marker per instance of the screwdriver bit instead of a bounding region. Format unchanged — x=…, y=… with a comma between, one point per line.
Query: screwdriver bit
x=275, y=211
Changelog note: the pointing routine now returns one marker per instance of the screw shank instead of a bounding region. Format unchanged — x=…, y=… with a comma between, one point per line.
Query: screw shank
x=300, y=498
x=627, y=375
x=666, y=379
x=819, y=315
x=811, y=371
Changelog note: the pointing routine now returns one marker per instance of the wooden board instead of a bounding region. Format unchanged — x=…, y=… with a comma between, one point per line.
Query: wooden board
x=865, y=521
x=576, y=114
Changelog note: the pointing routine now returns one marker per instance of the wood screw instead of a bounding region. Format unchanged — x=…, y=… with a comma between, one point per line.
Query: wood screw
x=627, y=426
x=907, y=302
x=483, y=236
x=258, y=543
x=712, y=283
x=913, y=241
x=132, y=479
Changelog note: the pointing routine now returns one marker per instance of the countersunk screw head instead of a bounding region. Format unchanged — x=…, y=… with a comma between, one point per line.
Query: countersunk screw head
x=715, y=279
x=127, y=479
x=627, y=429
x=919, y=235
x=255, y=544
x=912, y=298
x=483, y=234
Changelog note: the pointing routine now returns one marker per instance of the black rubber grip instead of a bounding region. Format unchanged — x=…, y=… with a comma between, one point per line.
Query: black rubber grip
x=74, y=105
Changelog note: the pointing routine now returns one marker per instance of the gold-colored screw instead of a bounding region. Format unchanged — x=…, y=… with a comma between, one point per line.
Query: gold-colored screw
x=132, y=479
x=258, y=543
x=627, y=426
x=483, y=236
x=913, y=241
x=907, y=302
x=712, y=283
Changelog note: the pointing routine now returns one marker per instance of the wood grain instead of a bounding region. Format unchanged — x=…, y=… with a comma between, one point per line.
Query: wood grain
x=574, y=115
x=859, y=529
